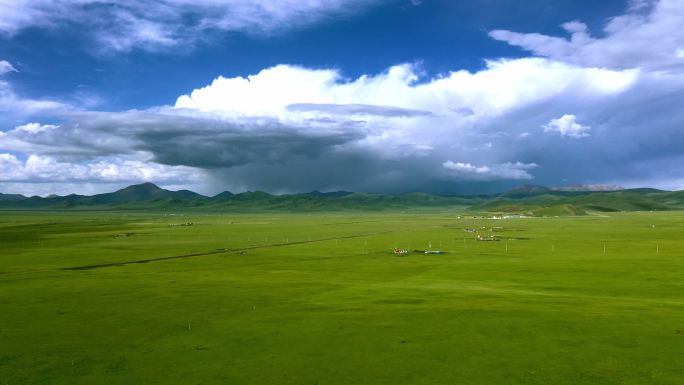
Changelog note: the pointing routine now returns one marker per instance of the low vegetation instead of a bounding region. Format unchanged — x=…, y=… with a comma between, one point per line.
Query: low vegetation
x=126, y=297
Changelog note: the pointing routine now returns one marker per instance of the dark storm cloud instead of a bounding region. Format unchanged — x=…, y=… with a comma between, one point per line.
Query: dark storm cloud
x=229, y=148
x=243, y=154
x=362, y=172
x=529, y=120
x=635, y=135
x=174, y=139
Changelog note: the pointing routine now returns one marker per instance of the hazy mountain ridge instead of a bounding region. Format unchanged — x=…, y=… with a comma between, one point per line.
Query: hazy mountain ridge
x=529, y=200
x=11, y=197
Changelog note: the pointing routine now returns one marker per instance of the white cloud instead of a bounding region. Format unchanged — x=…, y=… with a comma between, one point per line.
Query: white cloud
x=38, y=168
x=639, y=5
x=508, y=170
x=633, y=40
x=575, y=27
x=567, y=125
x=35, y=128
x=13, y=104
x=129, y=24
x=502, y=86
x=6, y=67
x=381, y=132
x=465, y=167
x=289, y=128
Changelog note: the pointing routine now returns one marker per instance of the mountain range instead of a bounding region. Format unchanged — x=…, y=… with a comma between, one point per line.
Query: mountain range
x=528, y=200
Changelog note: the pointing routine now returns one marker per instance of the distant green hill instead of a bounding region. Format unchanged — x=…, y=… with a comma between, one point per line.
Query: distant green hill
x=553, y=202
x=11, y=197
x=527, y=200
x=146, y=194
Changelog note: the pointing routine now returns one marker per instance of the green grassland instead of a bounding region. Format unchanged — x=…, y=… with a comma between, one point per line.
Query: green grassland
x=125, y=297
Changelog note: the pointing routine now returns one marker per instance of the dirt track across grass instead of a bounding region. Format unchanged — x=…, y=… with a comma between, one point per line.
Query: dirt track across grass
x=218, y=252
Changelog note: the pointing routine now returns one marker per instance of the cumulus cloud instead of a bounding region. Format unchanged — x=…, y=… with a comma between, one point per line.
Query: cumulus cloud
x=36, y=169
x=177, y=139
x=508, y=170
x=636, y=39
x=73, y=142
x=503, y=85
x=34, y=128
x=288, y=129
x=128, y=24
x=567, y=125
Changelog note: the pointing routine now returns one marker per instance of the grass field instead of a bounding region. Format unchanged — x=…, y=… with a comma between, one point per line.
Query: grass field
x=137, y=298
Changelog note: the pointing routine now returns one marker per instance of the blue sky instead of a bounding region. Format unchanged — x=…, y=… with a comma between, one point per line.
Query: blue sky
x=365, y=95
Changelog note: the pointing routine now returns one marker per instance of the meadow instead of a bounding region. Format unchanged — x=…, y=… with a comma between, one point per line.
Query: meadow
x=125, y=297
